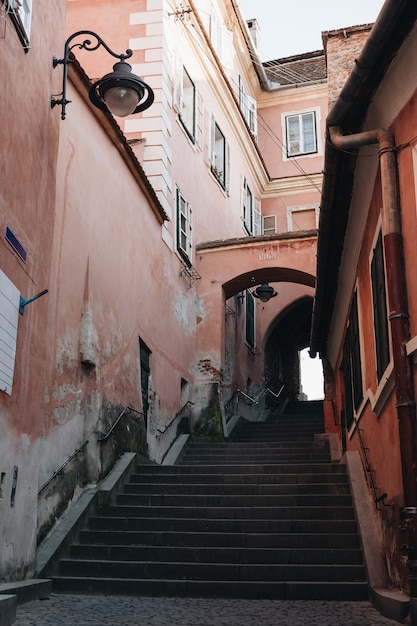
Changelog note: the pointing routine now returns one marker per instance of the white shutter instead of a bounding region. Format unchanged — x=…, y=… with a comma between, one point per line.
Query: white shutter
x=9, y=317
x=227, y=51
x=178, y=84
x=257, y=217
x=199, y=130
x=252, y=115
x=216, y=31
x=227, y=166
x=212, y=147
x=190, y=233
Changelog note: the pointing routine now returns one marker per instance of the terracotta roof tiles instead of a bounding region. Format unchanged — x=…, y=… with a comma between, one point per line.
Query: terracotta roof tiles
x=298, y=69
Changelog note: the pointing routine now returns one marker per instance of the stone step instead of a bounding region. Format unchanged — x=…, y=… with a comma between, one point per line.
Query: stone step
x=198, y=488
x=293, y=445
x=265, y=515
x=222, y=525
x=159, y=476
x=211, y=571
x=311, y=540
x=231, y=501
x=264, y=589
x=217, y=554
x=194, y=458
x=236, y=512
x=261, y=469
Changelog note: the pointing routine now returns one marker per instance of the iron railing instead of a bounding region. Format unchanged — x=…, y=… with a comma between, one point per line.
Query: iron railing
x=370, y=472
x=160, y=432
x=63, y=466
x=254, y=401
x=126, y=411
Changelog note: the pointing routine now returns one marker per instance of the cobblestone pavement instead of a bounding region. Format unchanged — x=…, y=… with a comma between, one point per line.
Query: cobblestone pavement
x=81, y=610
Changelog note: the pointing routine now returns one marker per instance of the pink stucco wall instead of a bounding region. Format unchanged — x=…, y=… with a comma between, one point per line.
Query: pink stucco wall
x=27, y=206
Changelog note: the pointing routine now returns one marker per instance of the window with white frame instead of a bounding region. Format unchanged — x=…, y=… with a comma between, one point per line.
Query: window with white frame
x=252, y=219
x=221, y=38
x=302, y=217
x=248, y=107
x=219, y=155
x=186, y=101
x=184, y=228
x=269, y=224
x=9, y=317
x=301, y=134
x=20, y=12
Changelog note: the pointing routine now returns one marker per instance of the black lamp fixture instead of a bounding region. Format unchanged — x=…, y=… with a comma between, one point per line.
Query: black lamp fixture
x=264, y=292
x=120, y=92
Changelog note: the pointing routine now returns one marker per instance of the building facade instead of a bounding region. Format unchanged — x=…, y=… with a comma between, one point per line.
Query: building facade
x=136, y=244
x=364, y=317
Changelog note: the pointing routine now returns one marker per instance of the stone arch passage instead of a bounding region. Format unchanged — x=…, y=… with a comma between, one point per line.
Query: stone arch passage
x=288, y=334
x=229, y=267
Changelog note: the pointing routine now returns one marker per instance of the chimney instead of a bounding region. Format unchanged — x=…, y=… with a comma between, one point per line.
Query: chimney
x=255, y=33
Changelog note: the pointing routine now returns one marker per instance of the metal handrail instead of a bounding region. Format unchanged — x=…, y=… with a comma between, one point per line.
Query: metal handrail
x=276, y=395
x=63, y=466
x=235, y=397
x=245, y=395
x=126, y=410
x=370, y=471
x=162, y=432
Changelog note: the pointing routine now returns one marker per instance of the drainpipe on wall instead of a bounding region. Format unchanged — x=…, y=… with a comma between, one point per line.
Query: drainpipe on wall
x=399, y=317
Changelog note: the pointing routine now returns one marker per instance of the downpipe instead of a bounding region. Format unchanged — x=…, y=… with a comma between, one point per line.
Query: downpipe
x=399, y=323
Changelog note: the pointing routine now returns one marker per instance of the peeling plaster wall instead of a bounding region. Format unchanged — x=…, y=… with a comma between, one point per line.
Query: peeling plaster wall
x=28, y=151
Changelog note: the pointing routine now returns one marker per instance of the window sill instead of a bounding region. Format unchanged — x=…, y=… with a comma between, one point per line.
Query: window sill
x=384, y=390
x=411, y=348
x=218, y=181
x=191, y=139
x=302, y=155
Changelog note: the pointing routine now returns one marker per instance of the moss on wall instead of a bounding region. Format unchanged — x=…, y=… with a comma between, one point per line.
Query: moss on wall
x=210, y=422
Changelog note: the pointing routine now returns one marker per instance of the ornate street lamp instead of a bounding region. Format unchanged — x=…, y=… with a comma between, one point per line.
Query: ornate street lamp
x=120, y=92
x=264, y=292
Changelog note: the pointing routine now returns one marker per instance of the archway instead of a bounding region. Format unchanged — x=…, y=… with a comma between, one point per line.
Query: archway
x=289, y=333
x=225, y=356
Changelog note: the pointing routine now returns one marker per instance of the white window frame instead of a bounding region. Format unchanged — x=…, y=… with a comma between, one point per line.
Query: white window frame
x=318, y=148
x=219, y=155
x=20, y=11
x=271, y=220
x=248, y=107
x=293, y=210
x=186, y=101
x=9, y=319
x=251, y=211
x=184, y=228
x=221, y=38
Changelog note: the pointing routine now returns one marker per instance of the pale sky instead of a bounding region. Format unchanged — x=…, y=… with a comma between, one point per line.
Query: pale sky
x=294, y=26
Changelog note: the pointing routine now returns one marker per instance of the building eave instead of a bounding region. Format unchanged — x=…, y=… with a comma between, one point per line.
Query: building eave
x=82, y=84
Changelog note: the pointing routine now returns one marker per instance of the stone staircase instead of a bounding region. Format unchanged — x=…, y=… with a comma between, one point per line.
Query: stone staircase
x=264, y=515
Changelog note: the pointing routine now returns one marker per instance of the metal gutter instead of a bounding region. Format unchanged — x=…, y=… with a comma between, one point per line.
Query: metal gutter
x=264, y=81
